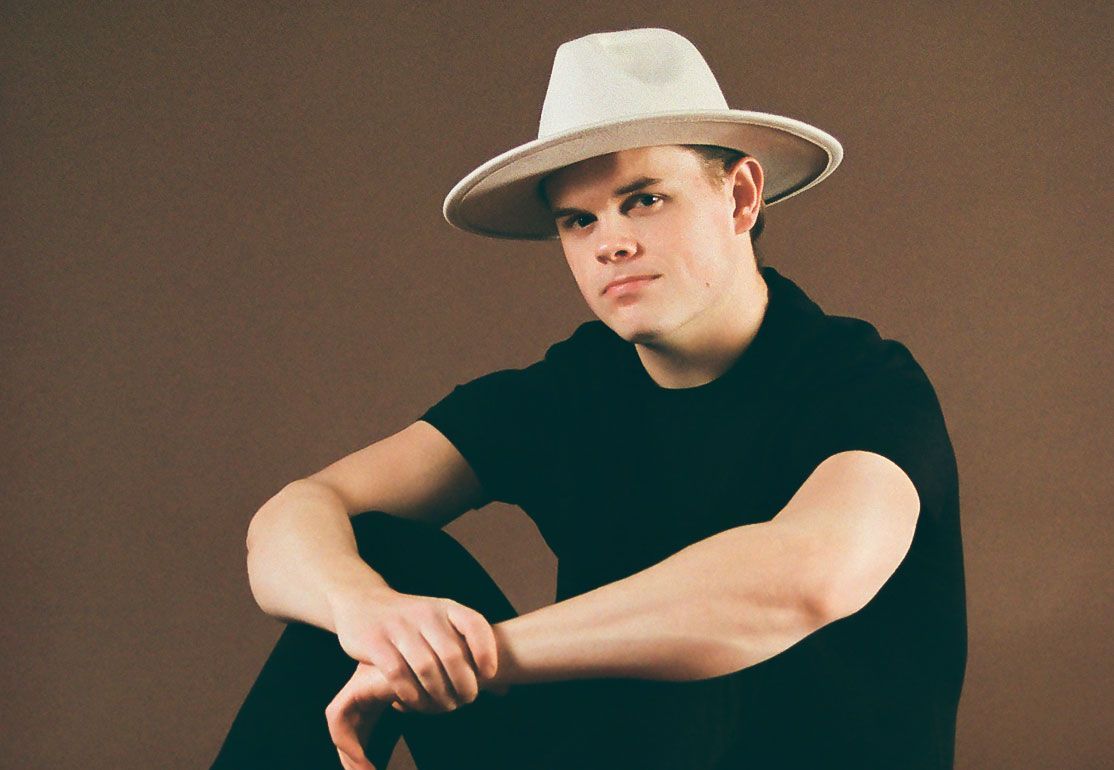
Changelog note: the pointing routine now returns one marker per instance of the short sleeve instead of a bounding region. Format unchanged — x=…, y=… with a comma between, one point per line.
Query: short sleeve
x=498, y=422
x=889, y=408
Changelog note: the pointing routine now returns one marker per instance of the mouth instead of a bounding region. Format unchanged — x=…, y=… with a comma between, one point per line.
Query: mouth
x=629, y=283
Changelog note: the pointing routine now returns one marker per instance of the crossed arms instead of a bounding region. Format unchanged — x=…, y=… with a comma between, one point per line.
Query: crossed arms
x=724, y=603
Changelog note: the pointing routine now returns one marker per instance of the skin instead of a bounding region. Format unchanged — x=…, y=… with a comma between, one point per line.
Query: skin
x=691, y=323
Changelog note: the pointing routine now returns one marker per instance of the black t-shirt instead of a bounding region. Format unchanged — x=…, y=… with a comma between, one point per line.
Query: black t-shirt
x=618, y=473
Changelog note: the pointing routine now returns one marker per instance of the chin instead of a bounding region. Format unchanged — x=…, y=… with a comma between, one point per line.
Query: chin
x=641, y=333
x=642, y=338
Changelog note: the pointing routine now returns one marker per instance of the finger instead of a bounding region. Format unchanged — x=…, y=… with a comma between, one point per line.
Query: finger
x=340, y=718
x=349, y=764
x=481, y=639
x=350, y=750
x=424, y=663
x=452, y=650
x=343, y=734
x=400, y=679
x=367, y=688
x=352, y=714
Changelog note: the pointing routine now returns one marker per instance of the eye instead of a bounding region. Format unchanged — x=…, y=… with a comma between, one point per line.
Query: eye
x=575, y=223
x=644, y=197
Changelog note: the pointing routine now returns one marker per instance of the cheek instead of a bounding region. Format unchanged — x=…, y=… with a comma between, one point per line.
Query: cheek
x=583, y=279
x=698, y=267
x=688, y=242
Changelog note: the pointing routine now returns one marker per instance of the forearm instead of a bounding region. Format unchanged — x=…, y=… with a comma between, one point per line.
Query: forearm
x=301, y=552
x=720, y=605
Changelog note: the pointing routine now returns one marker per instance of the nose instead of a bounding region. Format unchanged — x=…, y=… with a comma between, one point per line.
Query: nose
x=615, y=241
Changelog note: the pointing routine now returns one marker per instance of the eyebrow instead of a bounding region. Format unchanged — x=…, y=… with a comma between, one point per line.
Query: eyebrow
x=637, y=184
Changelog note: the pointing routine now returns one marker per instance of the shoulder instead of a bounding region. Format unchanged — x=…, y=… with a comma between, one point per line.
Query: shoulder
x=823, y=350
x=845, y=350
x=869, y=393
x=866, y=391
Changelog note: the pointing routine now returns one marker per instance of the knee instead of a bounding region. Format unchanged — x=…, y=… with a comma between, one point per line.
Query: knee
x=421, y=558
x=392, y=543
x=364, y=524
x=375, y=528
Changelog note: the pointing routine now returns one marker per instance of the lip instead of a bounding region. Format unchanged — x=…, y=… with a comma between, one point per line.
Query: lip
x=629, y=279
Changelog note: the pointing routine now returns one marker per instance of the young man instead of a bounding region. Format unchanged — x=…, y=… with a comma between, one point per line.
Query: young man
x=754, y=504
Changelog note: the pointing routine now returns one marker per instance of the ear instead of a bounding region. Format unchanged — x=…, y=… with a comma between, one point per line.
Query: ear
x=746, y=179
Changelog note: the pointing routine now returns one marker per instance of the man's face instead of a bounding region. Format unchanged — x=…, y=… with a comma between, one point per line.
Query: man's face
x=652, y=211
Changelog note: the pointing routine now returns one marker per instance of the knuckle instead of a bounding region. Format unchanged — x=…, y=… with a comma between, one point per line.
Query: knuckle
x=470, y=682
x=453, y=656
x=462, y=614
x=427, y=668
x=393, y=669
x=404, y=685
x=394, y=630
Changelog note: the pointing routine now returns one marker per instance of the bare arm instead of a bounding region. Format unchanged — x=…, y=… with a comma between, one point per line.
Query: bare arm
x=699, y=613
x=304, y=565
x=302, y=555
x=734, y=599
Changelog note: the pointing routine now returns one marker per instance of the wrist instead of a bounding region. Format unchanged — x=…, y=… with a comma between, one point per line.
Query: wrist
x=508, y=671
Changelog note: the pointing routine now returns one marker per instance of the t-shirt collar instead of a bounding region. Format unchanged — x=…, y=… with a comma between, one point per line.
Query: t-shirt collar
x=789, y=316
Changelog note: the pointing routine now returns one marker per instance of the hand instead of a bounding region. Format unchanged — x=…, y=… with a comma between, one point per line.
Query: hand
x=354, y=712
x=434, y=653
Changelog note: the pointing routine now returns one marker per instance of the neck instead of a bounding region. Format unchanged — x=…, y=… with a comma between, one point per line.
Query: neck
x=706, y=346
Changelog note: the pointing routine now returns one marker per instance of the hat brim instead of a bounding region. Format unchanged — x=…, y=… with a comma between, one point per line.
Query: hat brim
x=500, y=199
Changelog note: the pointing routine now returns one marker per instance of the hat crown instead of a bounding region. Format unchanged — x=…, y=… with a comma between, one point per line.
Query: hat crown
x=633, y=73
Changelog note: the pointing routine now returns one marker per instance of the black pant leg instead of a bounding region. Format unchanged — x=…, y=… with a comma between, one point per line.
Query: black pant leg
x=281, y=723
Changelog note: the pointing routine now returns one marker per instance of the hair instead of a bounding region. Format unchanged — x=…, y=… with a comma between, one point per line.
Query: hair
x=717, y=162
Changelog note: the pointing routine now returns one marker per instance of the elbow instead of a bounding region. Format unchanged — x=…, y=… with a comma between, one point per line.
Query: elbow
x=276, y=501
x=252, y=538
x=251, y=532
x=823, y=605
x=255, y=551
x=829, y=584
x=817, y=592
x=829, y=592
x=255, y=532
x=252, y=559
x=841, y=595
x=261, y=585
x=851, y=583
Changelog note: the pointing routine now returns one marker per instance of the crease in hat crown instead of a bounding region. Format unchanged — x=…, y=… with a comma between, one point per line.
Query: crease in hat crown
x=611, y=91
x=610, y=76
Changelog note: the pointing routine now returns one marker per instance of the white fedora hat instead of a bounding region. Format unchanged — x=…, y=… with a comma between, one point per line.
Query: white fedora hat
x=614, y=91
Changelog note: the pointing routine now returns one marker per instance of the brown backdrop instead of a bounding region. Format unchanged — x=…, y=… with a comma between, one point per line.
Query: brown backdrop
x=225, y=267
